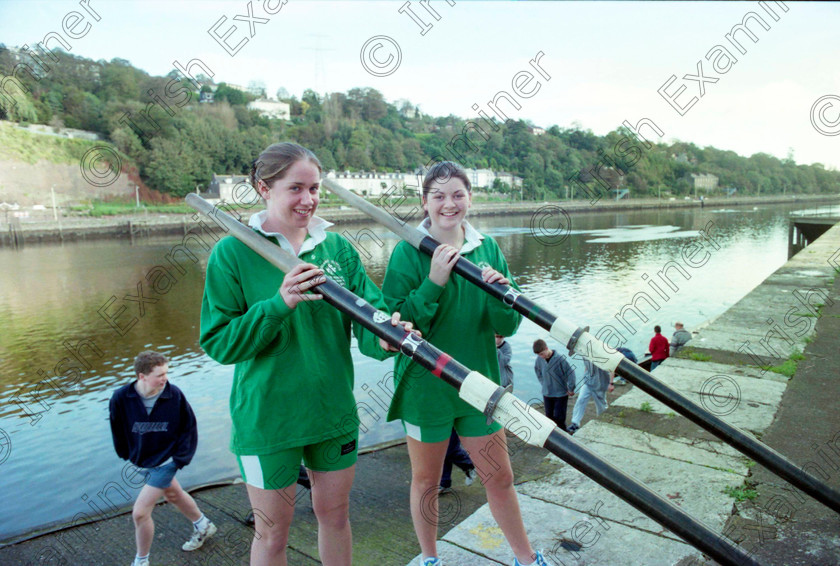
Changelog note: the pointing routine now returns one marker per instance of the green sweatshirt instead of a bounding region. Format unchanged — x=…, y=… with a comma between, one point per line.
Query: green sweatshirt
x=293, y=382
x=459, y=319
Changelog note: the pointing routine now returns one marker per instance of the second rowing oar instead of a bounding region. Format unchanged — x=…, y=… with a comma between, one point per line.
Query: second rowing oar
x=580, y=341
x=496, y=402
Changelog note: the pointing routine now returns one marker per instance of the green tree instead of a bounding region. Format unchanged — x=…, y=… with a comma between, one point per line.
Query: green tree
x=232, y=96
x=20, y=108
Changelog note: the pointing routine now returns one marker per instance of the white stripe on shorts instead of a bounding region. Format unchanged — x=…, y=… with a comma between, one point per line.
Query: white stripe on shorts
x=253, y=471
x=412, y=430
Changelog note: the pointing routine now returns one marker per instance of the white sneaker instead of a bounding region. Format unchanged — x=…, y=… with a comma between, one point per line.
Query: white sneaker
x=143, y=562
x=434, y=561
x=469, y=479
x=198, y=537
x=539, y=560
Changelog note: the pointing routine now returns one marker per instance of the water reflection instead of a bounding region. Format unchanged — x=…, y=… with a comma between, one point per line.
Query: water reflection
x=56, y=297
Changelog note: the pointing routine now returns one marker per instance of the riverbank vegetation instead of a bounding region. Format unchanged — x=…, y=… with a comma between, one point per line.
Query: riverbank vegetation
x=20, y=145
x=177, y=143
x=98, y=208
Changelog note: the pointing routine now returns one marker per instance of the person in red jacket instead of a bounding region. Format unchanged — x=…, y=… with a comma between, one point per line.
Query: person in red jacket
x=658, y=348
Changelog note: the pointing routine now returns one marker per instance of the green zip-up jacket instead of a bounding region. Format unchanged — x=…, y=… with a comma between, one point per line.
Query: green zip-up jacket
x=459, y=319
x=293, y=382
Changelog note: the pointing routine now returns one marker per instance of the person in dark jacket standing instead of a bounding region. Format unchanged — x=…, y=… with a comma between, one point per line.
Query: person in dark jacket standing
x=558, y=381
x=154, y=427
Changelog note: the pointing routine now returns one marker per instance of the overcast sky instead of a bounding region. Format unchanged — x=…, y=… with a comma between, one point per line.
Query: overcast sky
x=606, y=61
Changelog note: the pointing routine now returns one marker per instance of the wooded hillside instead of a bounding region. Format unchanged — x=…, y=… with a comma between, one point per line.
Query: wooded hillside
x=177, y=143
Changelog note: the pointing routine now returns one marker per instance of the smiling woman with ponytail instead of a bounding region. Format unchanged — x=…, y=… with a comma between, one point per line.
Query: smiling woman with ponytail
x=460, y=319
x=292, y=394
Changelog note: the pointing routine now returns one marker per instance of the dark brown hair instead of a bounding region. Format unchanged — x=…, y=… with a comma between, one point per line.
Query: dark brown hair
x=539, y=346
x=147, y=361
x=440, y=173
x=275, y=160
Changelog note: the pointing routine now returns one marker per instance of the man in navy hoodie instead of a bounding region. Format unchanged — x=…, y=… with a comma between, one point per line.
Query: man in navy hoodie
x=154, y=427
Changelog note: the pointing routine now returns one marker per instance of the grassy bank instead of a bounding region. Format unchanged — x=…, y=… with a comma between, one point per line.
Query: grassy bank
x=97, y=209
x=22, y=145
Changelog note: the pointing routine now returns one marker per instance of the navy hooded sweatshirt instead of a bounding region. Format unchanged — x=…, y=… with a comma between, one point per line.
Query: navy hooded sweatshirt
x=148, y=440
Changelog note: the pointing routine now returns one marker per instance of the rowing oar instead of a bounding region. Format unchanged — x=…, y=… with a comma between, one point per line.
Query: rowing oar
x=494, y=401
x=580, y=341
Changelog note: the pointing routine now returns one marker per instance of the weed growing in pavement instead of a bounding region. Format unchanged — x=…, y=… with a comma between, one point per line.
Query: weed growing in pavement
x=746, y=492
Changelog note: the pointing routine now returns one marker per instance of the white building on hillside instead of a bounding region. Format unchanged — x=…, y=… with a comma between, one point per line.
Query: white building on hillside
x=234, y=189
x=373, y=183
x=481, y=177
x=705, y=181
x=272, y=109
x=509, y=179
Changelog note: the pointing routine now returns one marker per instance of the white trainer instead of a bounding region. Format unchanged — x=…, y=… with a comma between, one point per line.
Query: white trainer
x=198, y=537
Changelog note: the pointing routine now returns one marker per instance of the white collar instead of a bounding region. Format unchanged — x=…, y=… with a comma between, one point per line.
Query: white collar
x=472, y=237
x=317, y=229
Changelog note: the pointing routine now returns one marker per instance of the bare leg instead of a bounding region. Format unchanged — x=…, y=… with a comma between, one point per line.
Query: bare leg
x=490, y=456
x=331, y=503
x=176, y=495
x=273, y=512
x=144, y=527
x=426, y=467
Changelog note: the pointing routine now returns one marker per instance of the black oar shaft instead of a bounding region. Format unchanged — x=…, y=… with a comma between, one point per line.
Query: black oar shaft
x=410, y=345
x=508, y=295
x=732, y=435
x=642, y=498
x=531, y=426
x=591, y=348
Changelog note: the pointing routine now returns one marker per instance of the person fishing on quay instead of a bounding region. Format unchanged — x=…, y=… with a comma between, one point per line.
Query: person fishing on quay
x=460, y=319
x=292, y=394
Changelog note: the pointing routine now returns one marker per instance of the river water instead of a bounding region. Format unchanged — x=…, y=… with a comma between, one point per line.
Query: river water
x=56, y=457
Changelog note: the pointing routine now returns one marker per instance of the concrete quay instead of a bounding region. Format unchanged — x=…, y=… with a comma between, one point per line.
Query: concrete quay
x=789, y=322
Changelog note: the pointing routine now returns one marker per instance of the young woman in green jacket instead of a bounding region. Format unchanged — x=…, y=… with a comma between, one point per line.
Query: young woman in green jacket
x=292, y=394
x=461, y=320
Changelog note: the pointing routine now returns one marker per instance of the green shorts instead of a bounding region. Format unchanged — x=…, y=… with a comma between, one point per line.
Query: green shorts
x=471, y=425
x=280, y=470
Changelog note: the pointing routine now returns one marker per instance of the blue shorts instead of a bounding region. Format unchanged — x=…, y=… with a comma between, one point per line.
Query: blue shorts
x=161, y=476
